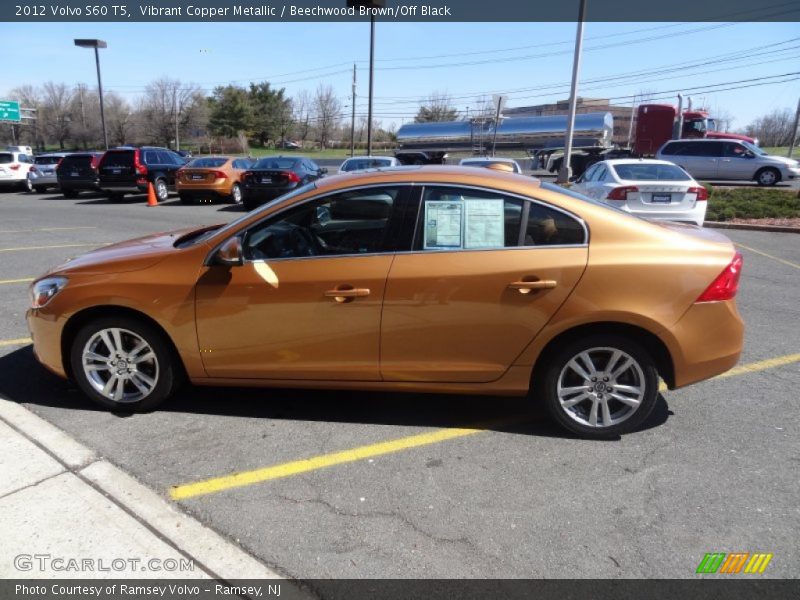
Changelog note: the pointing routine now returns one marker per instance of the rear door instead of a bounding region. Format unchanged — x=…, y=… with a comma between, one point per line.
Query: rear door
x=486, y=273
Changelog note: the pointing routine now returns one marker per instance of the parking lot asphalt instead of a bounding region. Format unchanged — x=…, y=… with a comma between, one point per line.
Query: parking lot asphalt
x=417, y=486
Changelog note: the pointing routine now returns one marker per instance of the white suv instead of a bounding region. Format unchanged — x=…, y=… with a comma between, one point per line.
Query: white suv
x=14, y=167
x=729, y=160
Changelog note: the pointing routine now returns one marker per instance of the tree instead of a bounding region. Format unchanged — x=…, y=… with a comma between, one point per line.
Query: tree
x=484, y=108
x=437, y=107
x=56, y=117
x=119, y=118
x=327, y=113
x=29, y=97
x=723, y=117
x=86, y=123
x=168, y=103
x=230, y=111
x=774, y=128
x=302, y=108
x=272, y=112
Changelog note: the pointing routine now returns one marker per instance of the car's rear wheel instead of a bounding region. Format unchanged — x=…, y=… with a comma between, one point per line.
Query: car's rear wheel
x=250, y=203
x=186, y=198
x=768, y=176
x=70, y=193
x=124, y=364
x=28, y=185
x=600, y=386
x=162, y=191
x=236, y=194
x=115, y=196
x=40, y=189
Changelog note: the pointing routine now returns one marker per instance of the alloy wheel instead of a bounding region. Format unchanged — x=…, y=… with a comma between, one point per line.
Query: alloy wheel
x=601, y=387
x=120, y=365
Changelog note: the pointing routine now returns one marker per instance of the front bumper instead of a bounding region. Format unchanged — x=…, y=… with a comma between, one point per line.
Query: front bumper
x=792, y=173
x=46, y=329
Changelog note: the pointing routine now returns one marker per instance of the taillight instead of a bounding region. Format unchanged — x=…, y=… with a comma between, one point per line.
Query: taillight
x=621, y=193
x=58, y=164
x=293, y=177
x=219, y=175
x=14, y=167
x=246, y=176
x=702, y=193
x=141, y=169
x=32, y=169
x=725, y=286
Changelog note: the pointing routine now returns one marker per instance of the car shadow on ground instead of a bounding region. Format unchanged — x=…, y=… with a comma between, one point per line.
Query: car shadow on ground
x=24, y=381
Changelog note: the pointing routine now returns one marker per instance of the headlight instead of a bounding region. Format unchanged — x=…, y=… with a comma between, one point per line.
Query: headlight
x=44, y=290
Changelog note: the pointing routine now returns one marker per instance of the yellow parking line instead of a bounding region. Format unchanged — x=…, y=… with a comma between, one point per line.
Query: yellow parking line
x=44, y=229
x=8, y=281
x=22, y=248
x=780, y=260
x=245, y=478
x=17, y=342
x=218, y=484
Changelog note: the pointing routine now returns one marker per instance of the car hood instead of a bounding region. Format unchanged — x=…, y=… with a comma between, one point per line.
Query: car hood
x=130, y=255
x=779, y=160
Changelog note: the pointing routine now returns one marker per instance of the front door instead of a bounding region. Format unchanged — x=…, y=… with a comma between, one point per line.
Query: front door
x=487, y=273
x=307, y=302
x=736, y=162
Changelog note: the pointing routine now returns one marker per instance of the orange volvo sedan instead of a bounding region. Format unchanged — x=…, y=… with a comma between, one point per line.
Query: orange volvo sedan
x=435, y=279
x=210, y=177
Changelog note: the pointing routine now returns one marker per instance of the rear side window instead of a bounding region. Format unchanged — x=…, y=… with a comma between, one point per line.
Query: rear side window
x=549, y=227
x=6, y=157
x=208, y=163
x=118, y=159
x=276, y=163
x=81, y=160
x=47, y=160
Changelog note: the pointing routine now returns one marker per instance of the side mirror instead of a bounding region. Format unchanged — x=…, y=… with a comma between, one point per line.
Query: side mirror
x=230, y=253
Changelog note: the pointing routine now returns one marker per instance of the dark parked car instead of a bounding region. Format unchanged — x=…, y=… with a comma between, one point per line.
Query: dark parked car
x=77, y=173
x=276, y=175
x=128, y=170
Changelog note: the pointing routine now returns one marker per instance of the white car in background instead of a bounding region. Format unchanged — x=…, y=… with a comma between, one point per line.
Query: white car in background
x=491, y=162
x=42, y=173
x=14, y=167
x=654, y=189
x=360, y=163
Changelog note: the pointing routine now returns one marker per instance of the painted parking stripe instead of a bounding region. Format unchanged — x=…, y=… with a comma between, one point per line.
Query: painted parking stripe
x=16, y=342
x=23, y=248
x=762, y=253
x=45, y=229
x=10, y=281
x=246, y=478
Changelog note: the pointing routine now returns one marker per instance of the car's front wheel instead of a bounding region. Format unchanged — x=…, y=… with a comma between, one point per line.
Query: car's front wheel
x=600, y=386
x=124, y=364
x=236, y=194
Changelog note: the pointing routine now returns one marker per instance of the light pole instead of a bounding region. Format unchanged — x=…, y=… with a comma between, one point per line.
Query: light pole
x=565, y=172
x=97, y=44
x=371, y=4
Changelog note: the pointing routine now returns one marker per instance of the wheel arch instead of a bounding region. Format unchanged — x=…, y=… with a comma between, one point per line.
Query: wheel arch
x=84, y=316
x=652, y=343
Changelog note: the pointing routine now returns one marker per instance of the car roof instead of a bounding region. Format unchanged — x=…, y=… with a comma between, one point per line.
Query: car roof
x=370, y=157
x=488, y=159
x=638, y=161
x=54, y=154
x=701, y=140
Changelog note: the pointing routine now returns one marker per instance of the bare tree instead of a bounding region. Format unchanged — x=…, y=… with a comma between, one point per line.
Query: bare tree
x=56, y=111
x=327, y=113
x=484, y=108
x=119, y=118
x=167, y=105
x=723, y=117
x=302, y=105
x=774, y=128
x=29, y=97
x=437, y=107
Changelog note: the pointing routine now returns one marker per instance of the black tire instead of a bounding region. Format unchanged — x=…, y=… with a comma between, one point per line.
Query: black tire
x=186, y=198
x=571, y=418
x=250, y=203
x=235, y=196
x=114, y=196
x=39, y=189
x=768, y=176
x=169, y=371
x=161, y=189
x=70, y=193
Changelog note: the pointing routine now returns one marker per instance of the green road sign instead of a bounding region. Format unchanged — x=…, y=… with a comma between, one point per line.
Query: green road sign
x=9, y=111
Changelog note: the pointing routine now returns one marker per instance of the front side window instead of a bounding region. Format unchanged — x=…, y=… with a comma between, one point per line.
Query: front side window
x=347, y=223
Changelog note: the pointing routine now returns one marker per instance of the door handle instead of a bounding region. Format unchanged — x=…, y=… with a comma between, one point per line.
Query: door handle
x=347, y=294
x=526, y=287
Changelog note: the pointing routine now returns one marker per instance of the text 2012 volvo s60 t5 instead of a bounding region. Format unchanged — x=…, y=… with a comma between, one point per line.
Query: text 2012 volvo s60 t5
x=435, y=279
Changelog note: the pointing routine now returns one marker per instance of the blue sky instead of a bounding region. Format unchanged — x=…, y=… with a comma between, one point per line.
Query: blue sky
x=300, y=56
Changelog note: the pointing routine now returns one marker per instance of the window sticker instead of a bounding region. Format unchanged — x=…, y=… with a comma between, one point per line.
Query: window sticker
x=484, y=224
x=443, y=224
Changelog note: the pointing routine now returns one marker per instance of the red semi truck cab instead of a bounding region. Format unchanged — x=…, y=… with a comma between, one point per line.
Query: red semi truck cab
x=655, y=122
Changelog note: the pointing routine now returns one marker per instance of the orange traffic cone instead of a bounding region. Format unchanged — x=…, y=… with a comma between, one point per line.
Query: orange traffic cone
x=151, y=195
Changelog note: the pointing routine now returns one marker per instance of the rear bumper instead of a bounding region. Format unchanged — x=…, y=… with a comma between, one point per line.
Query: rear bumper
x=696, y=215
x=200, y=189
x=42, y=179
x=123, y=187
x=710, y=336
x=79, y=184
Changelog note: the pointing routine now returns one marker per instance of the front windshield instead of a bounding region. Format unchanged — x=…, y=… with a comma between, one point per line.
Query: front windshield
x=699, y=125
x=235, y=223
x=753, y=148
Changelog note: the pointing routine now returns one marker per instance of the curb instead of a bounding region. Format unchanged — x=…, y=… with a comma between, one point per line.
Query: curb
x=751, y=227
x=218, y=556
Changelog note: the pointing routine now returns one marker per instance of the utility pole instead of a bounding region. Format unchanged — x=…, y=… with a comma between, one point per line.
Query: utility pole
x=565, y=172
x=353, y=118
x=500, y=102
x=371, y=77
x=794, y=130
x=630, y=127
x=177, y=110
